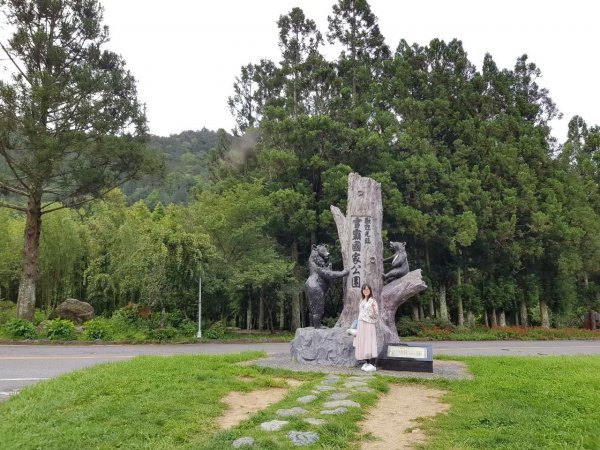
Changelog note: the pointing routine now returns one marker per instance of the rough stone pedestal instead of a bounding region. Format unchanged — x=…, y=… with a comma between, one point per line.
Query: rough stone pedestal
x=323, y=346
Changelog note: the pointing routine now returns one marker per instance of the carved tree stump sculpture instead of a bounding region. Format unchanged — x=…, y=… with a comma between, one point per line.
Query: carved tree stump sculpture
x=362, y=251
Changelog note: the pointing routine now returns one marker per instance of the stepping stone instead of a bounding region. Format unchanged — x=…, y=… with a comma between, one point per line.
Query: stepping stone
x=335, y=412
x=338, y=403
x=291, y=412
x=364, y=389
x=243, y=442
x=355, y=384
x=307, y=399
x=303, y=437
x=314, y=421
x=330, y=381
x=325, y=388
x=362, y=379
x=339, y=396
x=274, y=425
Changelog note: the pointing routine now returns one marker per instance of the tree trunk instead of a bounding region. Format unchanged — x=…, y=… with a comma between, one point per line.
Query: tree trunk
x=470, y=318
x=249, y=312
x=443, y=304
x=502, y=318
x=487, y=320
x=362, y=252
x=421, y=311
x=523, y=313
x=296, y=322
x=261, y=311
x=545, y=315
x=31, y=259
x=494, y=318
x=461, y=313
x=281, y=314
x=431, y=308
x=163, y=317
x=415, y=312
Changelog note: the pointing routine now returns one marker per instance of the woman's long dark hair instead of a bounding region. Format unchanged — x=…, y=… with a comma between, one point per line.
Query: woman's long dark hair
x=363, y=288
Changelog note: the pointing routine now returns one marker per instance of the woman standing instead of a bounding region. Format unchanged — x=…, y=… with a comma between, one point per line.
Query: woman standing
x=366, y=338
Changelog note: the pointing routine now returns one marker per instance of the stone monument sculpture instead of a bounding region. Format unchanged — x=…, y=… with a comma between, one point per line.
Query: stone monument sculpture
x=359, y=232
x=399, y=262
x=317, y=284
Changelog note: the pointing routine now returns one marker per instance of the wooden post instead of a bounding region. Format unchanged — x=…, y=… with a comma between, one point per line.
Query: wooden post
x=362, y=252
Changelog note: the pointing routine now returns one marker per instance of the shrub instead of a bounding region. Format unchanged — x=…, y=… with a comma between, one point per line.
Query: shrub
x=98, y=329
x=8, y=310
x=330, y=322
x=127, y=322
x=21, y=328
x=188, y=328
x=216, y=331
x=408, y=327
x=60, y=330
x=163, y=334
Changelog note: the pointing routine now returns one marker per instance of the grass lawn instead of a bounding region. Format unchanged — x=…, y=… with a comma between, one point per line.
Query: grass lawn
x=173, y=402
x=522, y=403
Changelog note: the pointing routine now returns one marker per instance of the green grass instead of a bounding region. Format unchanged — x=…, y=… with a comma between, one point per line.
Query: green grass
x=522, y=403
x=160, y=403
x=174, y=402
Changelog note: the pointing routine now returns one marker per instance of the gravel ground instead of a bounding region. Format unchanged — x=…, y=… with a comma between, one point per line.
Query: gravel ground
x=450, y=370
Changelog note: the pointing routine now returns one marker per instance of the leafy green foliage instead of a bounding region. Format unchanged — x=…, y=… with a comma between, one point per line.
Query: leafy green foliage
x=216, y=331
x=21, y=328
x=60, y=330
x=99, y=329
x=162, y=334
x=494, y=211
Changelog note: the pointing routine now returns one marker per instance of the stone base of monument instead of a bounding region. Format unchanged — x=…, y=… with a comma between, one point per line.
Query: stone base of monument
x=323, y=346
x=406, y=358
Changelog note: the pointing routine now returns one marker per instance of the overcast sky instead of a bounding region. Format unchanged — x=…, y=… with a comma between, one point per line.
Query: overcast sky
x=186, y=54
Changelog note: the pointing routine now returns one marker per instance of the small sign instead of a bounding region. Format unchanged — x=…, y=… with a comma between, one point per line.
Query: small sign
x=396, y=351
x=409, y=358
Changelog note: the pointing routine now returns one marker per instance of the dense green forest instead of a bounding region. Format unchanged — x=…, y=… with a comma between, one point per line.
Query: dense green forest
x=502, y=218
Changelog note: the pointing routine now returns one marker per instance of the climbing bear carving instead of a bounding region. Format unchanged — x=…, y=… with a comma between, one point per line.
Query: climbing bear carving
x=317, y=284
x=399, y=262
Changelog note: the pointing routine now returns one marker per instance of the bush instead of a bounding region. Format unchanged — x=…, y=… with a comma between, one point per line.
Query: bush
x=98, y=329
x=8, y=311
x=60, y=330
x=21, y=328
x=163, y=334
x=216, y=331
x=330, y=322
x=408, y=327
x=188, y=328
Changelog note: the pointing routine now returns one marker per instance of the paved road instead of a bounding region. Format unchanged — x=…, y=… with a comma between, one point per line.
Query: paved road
x=21, y=365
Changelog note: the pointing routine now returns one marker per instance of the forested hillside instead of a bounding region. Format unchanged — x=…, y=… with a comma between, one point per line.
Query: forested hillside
x=186, y=158
x=502, y=219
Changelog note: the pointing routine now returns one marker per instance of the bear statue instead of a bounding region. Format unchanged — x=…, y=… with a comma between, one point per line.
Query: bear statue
x=399, y=262
x=317, y=284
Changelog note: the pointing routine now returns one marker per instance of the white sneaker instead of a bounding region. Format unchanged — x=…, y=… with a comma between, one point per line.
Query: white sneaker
x=351, y=331
x=364, y=366
x=370, y=368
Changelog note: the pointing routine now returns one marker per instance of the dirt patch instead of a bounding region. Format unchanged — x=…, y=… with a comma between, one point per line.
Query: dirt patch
x=243, y=405
x=392, y=421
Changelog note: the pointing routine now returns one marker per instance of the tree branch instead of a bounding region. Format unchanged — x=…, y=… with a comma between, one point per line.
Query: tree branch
x=14, y=63
x=12, y=189
x=7, y=158
x=11, y=206
x=400, y=290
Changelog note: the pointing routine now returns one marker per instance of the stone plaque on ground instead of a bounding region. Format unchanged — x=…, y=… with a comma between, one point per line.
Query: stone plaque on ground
x=407, y=358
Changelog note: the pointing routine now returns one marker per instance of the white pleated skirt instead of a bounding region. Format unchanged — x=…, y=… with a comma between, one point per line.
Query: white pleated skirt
x=366, y=341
